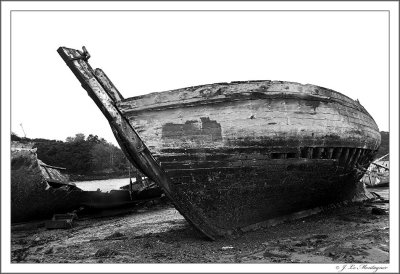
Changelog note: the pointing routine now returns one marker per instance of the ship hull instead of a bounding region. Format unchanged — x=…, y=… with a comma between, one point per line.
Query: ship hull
x=251, y=156
x=233, y=155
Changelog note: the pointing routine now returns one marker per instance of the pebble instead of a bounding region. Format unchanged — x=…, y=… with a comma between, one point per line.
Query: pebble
x=49, y=251
x=115, y=235
x=298, y=243
x=105, y=252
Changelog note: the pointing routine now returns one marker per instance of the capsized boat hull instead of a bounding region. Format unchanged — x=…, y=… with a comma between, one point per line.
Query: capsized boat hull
x=233, y=155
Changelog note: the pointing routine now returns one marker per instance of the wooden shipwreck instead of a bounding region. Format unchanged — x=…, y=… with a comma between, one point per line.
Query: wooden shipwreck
x=231, y=156
x=38, y=190
x=377, y=174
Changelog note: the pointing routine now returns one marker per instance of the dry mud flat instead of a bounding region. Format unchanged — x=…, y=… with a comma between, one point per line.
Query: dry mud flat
x=357, y=233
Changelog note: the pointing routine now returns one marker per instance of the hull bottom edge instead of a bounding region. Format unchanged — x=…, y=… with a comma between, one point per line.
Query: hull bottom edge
x=304, y=213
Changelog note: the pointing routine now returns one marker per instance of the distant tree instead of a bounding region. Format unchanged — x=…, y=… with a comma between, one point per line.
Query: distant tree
x=79, y=137
x=93, y=139
x=79, y=155
x=101, y=157
x=120, y=160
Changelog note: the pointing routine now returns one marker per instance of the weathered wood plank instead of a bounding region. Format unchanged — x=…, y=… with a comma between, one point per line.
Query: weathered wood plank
x=215, y=92
x=254, y=121
x=108, y=85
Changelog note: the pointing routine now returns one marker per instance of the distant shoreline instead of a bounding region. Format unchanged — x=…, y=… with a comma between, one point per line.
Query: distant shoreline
x=94, y=177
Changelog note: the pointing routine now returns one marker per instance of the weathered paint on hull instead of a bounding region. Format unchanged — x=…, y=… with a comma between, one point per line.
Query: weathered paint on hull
x=249, y=156
x=235, y=154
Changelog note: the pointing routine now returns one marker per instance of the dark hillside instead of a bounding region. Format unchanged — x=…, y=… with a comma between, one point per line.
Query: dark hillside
x=384, y=148
x=91, y=156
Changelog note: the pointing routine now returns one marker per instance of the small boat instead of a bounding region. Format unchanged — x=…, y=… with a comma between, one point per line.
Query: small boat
x=143, y=188
x=377, y=174
x=55, y=177
x=231, y=156
x=39, y=190
x=96, y=200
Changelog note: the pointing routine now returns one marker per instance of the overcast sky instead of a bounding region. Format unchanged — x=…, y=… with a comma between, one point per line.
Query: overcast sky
x=145, y=52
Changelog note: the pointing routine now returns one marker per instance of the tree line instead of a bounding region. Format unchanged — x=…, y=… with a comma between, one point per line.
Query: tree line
x=80, y=154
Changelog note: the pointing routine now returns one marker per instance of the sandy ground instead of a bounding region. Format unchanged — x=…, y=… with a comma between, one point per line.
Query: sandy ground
x=357, y=233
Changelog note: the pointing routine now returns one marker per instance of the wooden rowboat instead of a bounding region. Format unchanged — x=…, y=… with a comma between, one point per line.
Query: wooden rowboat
x=231, y=156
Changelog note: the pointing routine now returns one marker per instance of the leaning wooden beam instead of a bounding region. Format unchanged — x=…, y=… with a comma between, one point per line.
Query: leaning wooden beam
x=141, y=157
x=105, y=95
x=108, y=85
x=378, y=165
x=55, y=167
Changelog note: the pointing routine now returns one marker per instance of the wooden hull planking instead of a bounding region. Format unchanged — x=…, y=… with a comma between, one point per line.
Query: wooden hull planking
x=231, y=155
